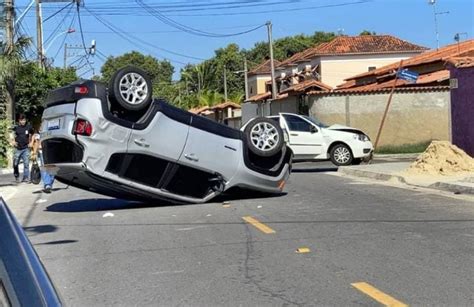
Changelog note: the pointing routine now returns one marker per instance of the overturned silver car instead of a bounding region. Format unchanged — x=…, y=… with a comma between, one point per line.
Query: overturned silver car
x=118, y=141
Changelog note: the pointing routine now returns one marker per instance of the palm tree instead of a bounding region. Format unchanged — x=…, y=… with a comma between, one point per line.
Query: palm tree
x=10, y=61
x=236, y=97
x=210, y=98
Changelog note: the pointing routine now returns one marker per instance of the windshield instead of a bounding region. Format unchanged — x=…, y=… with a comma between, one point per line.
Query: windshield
x=316, y=122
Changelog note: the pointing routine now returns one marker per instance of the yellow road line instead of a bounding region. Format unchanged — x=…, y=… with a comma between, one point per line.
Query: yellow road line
x=262, y=227
x=377, y=295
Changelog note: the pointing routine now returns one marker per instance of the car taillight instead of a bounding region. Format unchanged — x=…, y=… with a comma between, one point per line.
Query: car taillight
x=82, y=127
x=81, y=90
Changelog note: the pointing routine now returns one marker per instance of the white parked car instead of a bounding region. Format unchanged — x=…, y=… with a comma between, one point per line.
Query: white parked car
x=312, y=140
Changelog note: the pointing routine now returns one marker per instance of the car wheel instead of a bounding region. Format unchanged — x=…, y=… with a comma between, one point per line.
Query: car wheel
x=264, y=137
x=131, y=88
x=341, y=155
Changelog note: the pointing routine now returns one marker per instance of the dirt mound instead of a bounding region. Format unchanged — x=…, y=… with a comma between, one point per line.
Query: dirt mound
x=442, y=158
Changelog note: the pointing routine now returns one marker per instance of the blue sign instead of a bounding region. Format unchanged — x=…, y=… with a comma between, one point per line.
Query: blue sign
x=408, y=75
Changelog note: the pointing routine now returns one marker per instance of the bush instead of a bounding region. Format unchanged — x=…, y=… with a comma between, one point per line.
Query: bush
x=4, y=138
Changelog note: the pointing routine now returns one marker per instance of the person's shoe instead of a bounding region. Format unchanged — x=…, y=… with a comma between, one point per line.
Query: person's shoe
x=47, y=189
x=25, y=180
x=17, y=180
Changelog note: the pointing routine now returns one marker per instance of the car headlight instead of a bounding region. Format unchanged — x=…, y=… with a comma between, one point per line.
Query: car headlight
x=361, y=137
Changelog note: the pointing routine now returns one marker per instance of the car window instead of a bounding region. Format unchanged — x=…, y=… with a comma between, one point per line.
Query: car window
x=296, y=123
x=316, y=122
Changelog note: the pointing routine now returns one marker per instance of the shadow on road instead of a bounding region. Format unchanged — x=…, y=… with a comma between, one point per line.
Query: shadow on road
x=315, y=170
x=40, y=229
x=99, y=204
x=57, y=242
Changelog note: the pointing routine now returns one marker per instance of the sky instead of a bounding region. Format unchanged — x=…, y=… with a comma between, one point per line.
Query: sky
x=411, y=20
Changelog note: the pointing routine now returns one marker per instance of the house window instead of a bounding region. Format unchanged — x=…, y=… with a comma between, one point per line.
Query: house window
x=372, y=68
x=251, y=90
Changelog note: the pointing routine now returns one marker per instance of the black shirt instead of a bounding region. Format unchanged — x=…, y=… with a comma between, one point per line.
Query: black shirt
x=22, y=136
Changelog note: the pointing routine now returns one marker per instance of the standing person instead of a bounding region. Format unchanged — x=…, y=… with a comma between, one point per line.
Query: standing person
x=21, y=142
x=46, y=177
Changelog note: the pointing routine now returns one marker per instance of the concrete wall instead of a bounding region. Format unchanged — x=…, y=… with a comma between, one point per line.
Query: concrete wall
x=413, y=117
x=462, y=108
x=334, y=69
x=287, y=105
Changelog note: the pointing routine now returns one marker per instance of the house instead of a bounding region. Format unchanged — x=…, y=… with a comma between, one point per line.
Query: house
x=419, y=111
x=259, y=76
x=228, y=113
x=329, y=64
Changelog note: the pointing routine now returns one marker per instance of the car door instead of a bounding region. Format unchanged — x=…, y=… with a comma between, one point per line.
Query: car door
x=305, y=138
x=212, y=152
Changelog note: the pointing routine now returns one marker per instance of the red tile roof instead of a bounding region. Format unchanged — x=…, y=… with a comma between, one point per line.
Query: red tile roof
x=306, y=85
x=265, y=96
x=263, y=68
x=462, y=62
x=462, y=49
x=228, y=104
x=363, y=44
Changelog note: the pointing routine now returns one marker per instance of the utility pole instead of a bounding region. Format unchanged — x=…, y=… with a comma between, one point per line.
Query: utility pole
x=39, y=33
x=246, y=80
x=10, y=102
x=225, y=85
x=272, y=64
x=435, y=13
x=65, y=56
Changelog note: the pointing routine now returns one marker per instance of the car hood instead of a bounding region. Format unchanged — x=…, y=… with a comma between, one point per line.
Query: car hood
x=338, y=127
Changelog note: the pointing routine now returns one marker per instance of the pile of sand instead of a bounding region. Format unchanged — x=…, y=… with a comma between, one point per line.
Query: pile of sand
x=442, y=158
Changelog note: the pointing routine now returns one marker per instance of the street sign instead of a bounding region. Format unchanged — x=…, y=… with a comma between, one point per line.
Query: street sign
x=408, y=75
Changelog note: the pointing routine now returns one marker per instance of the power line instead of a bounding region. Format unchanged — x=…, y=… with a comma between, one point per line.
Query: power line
x=65, y=37
x=119, y=32
x=82, y=37
x=51, y=16
x=59, y=25
x=155, y=13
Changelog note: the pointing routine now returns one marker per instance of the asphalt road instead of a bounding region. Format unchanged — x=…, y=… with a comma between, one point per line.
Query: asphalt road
x=367, y=244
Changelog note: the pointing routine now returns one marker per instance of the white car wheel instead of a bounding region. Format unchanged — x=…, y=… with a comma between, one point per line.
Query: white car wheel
x=341, y=155
x=264, y=137
x=131, y=88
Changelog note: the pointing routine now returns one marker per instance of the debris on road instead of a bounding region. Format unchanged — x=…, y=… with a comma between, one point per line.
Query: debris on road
x=226, y=204
x=108, y=214
x=40, y=201
x=303, y=250
x=442, y=158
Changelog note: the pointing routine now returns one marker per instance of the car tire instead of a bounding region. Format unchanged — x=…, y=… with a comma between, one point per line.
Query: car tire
x=264, y=137
x=131, y=88
x=341, y=155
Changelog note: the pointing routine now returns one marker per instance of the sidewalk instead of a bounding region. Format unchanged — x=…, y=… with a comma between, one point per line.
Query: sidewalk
x=393, y=172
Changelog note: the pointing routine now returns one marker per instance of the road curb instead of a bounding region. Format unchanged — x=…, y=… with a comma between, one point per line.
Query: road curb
x=371, y=175
x=443, y=186
x=452, y=187
x=397, y=156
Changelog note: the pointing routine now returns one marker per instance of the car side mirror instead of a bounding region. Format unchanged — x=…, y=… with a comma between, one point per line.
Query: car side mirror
x=313, y=129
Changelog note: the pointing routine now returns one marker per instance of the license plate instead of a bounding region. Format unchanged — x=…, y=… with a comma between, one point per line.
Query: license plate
x=54, y=124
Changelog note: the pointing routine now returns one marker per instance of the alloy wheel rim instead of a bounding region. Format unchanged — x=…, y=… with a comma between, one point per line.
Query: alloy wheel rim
x=133, y=88
x=264, y=136
x=342, y=155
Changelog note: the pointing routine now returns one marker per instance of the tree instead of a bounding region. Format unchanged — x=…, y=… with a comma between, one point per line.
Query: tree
x=366, y=32
x=10, y=61
x=159, y=71
x=33, y=85
x=210, y=98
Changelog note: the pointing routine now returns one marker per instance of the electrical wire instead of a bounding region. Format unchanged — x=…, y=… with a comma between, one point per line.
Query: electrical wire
x=51, y=16
x=119, y=32
x=166, y=20
x=59, y=25
x=65, y=37
x=82, y=37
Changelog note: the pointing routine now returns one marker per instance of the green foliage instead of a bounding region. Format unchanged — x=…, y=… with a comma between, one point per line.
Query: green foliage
x=159, y=71
x=404, y=148
x=210, y=98
x=4, y=141
x=287, y=46
x=367, y=32
x=33, y=84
